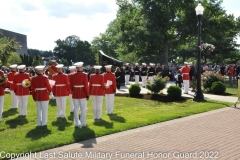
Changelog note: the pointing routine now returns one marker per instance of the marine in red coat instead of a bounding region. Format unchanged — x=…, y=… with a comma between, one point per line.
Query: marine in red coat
x=60, y=90
x=10, y=77
x=80, y=91
x=21, y=92
x=40, y=92
x=72, y=70
x=52, y=70
x=3, y=84
x=110, y=82
x=185, y=70
x=96, y=89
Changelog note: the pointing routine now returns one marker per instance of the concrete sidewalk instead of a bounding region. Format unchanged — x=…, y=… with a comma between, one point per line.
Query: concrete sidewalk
x=209, y=135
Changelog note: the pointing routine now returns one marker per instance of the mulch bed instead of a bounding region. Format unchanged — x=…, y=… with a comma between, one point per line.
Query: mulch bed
x=156, y=97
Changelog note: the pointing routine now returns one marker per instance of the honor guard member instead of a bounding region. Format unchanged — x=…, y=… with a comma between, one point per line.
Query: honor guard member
x=80, y=92
x=3, y=84
x=144, y=74
x=51, y=69
x=11, y=87
x=185, y=76
x=151, y=72
x=60, y=90
x=40, y=93
x=110, y=83
x=72, y=70
x=96, y=90
x=136, y=73
x=21, y=89
x=127, y=73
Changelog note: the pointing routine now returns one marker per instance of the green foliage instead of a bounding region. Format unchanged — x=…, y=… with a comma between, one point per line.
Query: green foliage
x=6, y=48
x=134, y=89
x=218, y=88
x=26, y=59
x=209, y=78
x=157, y=85
x=174, y=92
x=37, y=61
x=15, y=58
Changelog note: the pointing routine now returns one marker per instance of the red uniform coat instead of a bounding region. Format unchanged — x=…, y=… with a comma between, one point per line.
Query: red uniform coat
x=230, y=71
x=60, y=79
x=79, y=79
x=2, y=86
x=51, y=71
x=10, y=80
x=42, y=82
x=96, y=79
x=185, y=72
x=17, y=84
x=69, y=77
x=110, y=77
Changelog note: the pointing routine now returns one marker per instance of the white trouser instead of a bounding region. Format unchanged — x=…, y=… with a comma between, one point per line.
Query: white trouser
x=1, y=106
x=127, y=79
x=150, y=78
x=136, y=79
x=61, y=104
x=144, y=78
x=23, y=100
x=97, y=106
x=82, y=104
x=71, y=103
x=109, y=103
x=42, y=112
x=14, y=99
x=186, y=85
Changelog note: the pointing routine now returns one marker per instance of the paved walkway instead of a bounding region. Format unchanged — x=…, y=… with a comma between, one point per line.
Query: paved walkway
x=210, y=135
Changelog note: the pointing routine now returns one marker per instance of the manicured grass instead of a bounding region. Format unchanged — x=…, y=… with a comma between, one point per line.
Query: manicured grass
x=19, y=134
x=231, y=90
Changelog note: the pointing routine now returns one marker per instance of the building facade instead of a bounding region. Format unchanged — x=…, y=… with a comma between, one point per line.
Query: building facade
x=21, y=38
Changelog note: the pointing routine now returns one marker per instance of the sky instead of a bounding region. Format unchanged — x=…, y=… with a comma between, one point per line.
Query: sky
x=45, y=21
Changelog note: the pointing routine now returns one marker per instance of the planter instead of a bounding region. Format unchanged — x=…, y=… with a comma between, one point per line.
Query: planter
x=206, y=51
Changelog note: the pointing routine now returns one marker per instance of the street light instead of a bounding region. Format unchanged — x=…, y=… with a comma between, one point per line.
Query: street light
x=199, y=95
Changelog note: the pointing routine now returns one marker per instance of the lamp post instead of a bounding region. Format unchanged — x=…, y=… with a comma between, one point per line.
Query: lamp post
x=199, y=95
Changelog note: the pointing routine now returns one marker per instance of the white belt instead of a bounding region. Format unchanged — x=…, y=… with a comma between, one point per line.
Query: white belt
x=40, y=89
x=185, y=73
x=78, y=86
x=136, y=71
x=10, y=81
x=96, y=84
x=150, y=72
x=19, y=84
x=58, y=85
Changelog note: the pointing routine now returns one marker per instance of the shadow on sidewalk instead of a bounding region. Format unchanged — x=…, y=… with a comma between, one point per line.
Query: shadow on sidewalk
x=83, y=133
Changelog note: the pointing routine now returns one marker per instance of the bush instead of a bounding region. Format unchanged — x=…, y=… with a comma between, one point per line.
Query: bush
x=209, y=78
x=157, y=85
x=174, y=92
x=134, y=89
x=218, y=87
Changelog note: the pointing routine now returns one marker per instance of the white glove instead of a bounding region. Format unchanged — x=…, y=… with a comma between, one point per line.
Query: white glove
x=51, y=95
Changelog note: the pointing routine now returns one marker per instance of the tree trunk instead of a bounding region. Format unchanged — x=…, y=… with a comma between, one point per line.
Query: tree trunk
x=166, y=54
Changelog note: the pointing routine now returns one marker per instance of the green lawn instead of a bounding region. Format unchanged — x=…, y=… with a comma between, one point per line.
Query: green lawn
x=231, y=90
x=19, y=134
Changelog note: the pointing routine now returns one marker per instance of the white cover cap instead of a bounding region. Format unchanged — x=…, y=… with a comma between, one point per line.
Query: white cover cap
x=53, y=60
x=13, y=66
x=108, y=66
x=136, y=63
x=72, y=67
x=59, y=66
x=151, y=64
x=185, y=62
x=127, y=63
x=144, y=64
x=39, y=68
x=78, y=64
x=97, y=67
x=21, y=66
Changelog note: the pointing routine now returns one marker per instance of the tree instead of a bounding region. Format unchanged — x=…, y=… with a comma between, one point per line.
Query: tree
x=15, y=58
x=6, y=48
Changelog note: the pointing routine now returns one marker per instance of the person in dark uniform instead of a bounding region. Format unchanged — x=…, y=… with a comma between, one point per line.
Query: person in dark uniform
x=136, y=73
x=151, y=72
x=144, y=74
x=118, y=77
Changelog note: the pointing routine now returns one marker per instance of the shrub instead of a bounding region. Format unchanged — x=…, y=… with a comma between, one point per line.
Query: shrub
x=134, y=89
x=157, y=85
x=218, y=87
x=209, y=77
x=174, y=92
